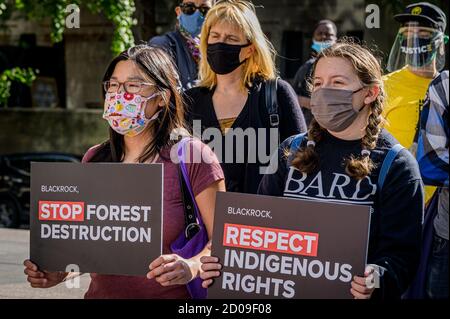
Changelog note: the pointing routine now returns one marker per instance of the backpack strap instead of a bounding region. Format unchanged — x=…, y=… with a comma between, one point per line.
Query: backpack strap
x=296, y=142
x=387, y=162
x=271, y=87
x=190, y=222
x=192, y=226
x=295, y=145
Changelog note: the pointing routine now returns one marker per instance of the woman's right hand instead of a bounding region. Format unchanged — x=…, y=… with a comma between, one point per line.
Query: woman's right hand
x=42, y=279
x=209, y=269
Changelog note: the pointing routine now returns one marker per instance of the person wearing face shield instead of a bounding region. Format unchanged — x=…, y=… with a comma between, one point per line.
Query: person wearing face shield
x=324, y=36
x=416, y=57
x=183, y=44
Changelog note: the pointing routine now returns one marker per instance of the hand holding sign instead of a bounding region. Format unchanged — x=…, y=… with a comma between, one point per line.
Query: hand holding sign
x=42, y=279
x=210, y=268
x=360, y=289
x=172, y=270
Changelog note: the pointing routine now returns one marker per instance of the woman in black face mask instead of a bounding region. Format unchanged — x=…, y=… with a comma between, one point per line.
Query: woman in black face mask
x=346, y=158
x=236, y=66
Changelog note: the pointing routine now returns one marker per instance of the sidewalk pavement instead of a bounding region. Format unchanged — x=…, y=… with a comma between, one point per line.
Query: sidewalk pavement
x=14, y=249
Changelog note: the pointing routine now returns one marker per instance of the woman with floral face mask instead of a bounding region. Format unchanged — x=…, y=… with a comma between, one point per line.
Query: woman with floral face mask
x=344, y=159
x=143, y=108
x=236, y=68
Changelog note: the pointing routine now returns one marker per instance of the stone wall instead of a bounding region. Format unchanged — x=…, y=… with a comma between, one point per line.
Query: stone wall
x=87, y=55
x=50, y=130
x=277, y=16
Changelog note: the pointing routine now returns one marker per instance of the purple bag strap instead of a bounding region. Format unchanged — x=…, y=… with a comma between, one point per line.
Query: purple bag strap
x=181, y=157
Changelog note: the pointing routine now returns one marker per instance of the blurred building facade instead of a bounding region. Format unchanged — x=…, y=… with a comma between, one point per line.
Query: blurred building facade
x=73, y=70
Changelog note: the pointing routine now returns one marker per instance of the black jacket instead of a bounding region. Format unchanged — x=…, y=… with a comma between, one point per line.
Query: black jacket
x=174, y=43
x=244, y=177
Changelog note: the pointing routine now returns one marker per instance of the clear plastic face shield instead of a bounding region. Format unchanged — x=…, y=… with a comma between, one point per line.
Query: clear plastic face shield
x=419, y=48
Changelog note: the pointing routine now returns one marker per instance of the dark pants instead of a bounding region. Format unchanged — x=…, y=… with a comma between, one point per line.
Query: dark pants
x=437, y=281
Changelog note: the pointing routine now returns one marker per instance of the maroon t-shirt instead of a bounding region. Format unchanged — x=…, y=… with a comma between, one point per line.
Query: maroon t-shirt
x=201, y=176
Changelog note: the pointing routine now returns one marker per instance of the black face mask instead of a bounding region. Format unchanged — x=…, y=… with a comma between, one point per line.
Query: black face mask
x=223, y=58
x=419, y=55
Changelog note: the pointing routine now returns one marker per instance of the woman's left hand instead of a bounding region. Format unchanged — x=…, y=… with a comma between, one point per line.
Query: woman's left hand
x=172, y=270
x=362, y=287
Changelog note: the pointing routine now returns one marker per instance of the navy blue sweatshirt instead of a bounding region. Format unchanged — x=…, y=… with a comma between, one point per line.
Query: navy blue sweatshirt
x=397, y=208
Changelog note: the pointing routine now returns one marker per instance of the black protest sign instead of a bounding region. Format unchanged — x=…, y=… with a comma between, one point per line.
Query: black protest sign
x=102, y=218
x=273, y=247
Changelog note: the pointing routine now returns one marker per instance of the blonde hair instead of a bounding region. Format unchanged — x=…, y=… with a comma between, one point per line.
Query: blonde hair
x=369, y=71
x=240, y=14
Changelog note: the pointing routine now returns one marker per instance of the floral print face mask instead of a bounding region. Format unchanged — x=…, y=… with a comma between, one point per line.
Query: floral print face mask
x=125, y=112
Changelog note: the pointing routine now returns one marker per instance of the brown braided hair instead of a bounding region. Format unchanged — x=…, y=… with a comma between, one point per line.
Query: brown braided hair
x=368, y=69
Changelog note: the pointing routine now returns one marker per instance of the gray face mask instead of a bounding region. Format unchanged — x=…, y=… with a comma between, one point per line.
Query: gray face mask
x=333, y=108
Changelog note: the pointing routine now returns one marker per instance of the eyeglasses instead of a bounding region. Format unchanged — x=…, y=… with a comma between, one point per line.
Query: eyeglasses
x=189, y=8
x=131, y=87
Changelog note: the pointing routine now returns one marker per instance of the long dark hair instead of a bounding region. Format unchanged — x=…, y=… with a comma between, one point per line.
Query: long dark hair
x=161, y=70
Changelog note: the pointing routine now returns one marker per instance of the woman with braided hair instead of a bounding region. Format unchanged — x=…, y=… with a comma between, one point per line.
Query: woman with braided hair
x=347, y=158
x=343, y=121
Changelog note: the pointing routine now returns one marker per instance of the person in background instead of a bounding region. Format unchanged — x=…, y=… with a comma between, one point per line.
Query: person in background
x=183, y=43
x=236, y=65
x=324, y=36
x=417, y=55
x=433, y=158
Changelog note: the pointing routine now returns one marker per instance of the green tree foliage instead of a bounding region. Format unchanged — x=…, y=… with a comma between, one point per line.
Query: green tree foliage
x=119, y=12
x=24, y=76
